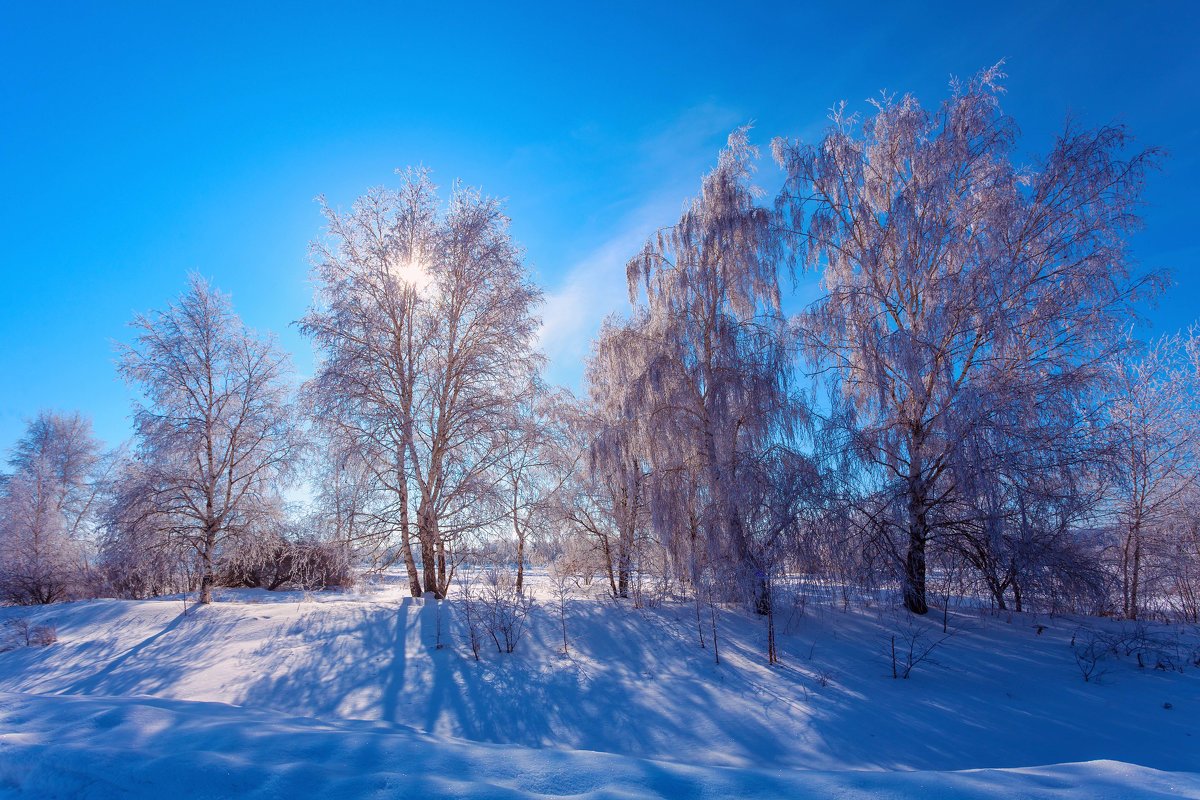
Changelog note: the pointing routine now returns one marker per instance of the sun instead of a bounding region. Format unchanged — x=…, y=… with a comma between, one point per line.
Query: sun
x=414, y=273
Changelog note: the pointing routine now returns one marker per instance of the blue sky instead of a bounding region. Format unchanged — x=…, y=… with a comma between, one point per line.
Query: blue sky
x=141, y=141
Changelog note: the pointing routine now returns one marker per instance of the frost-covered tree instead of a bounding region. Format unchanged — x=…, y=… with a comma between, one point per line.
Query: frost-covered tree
x=1180, y=558
x=138, y=555
x=1028, y=486
x=957, y=281
x=705, y=369
x=48, y=509
x=216, y=435
x=371, y=274
x=424, y=319
x=1155, y=417
x=345, y=500
x=610, y=504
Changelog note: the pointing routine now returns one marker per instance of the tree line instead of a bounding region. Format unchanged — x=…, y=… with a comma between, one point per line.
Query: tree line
x=964, y=409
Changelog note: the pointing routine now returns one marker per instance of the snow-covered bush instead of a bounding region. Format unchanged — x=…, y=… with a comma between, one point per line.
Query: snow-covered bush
x=276, y=562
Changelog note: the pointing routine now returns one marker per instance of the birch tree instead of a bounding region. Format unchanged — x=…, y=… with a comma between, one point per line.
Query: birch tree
x=216, y=435
x=424, y=319
x=612, y=507
x=956, y=280
x=712, y=385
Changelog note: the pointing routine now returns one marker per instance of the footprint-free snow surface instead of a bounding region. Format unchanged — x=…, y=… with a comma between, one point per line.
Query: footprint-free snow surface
x=275, y=695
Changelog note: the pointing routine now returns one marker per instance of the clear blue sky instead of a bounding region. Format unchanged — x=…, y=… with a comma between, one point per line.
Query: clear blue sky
x=141, y=141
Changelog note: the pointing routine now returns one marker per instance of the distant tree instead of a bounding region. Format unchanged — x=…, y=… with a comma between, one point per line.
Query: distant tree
x=956, y=280
x=48, y=508
x=1155, y=417
x=536, y=463
x=217, y=436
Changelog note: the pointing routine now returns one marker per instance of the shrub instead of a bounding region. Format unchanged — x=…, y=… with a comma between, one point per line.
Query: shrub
x=18, y=632
x=496, y=608
x=277, y=562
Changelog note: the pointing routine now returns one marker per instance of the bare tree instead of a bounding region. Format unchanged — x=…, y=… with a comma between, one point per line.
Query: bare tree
x=216, y=435
x=956, y=280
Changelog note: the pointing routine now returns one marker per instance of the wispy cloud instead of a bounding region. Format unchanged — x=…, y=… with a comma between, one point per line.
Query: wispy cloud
x=673, y=159
x=591, y=290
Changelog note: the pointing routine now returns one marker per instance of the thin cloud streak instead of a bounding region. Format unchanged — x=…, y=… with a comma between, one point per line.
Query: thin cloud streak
x=595, y=286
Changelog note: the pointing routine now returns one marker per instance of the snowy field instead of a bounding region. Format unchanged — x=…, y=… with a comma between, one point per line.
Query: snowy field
x=278, y=695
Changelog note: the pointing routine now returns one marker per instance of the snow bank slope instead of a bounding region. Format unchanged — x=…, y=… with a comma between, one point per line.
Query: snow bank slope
x=97, y=747
x=349, y=695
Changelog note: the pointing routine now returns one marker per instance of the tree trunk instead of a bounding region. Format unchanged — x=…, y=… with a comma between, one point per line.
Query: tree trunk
x=519, y=531
x=608, y=565
x=918, y=535
x=772, y=653
x=520, y=563
x=427, y=537
x=1131, y=563
x=443, y=582
x=998, y=596
x=207, y=579
x=762, y=595
x=914, y=575
x=1135, y=575
x=623, y=567
x=997, y=589
x=625, y=541
x=410, y=564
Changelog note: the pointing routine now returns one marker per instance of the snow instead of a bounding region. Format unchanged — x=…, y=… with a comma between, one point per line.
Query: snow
x=268, y=695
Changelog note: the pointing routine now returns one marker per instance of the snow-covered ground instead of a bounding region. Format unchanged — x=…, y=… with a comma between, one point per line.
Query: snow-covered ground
x=271, y=695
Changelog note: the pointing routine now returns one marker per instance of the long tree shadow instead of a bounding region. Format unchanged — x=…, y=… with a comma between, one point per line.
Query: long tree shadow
x=159, y=661
x=394, y=677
